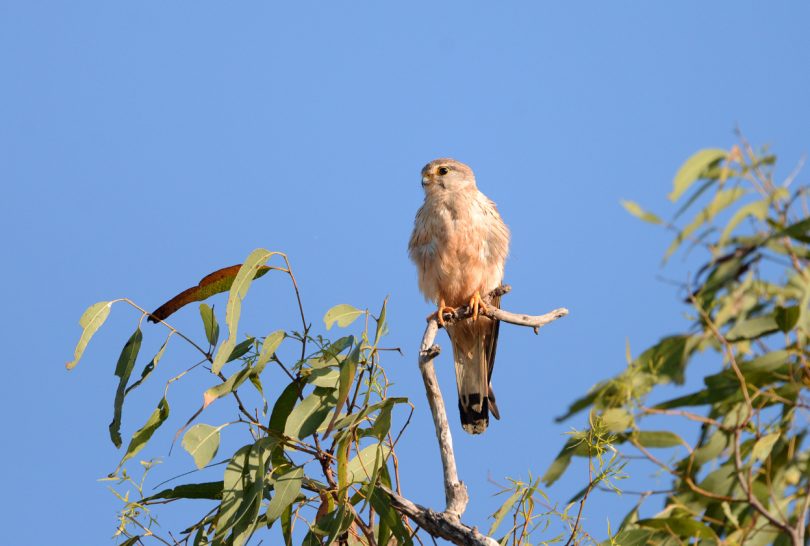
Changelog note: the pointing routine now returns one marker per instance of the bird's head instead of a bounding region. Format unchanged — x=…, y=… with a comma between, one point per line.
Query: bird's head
x=446, y=175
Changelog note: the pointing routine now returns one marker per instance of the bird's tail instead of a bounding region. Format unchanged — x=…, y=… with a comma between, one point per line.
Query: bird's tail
x=473, y=353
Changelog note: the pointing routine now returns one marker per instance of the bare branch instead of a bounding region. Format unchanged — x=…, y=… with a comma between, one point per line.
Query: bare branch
x=455, y=491
x=518, y=319
x=439, y=524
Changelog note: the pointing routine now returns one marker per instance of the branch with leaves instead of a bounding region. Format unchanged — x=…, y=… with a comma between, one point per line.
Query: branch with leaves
x=746, y=479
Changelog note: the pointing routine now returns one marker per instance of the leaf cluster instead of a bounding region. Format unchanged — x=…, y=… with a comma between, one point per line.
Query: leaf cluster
x=744, y=477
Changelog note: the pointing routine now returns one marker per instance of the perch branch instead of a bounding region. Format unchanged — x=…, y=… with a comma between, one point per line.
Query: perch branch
x=518, y=319
x=439, y=524
x=455, y=491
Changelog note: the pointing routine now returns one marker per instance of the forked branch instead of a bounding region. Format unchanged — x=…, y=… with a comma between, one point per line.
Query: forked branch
x=447, y=524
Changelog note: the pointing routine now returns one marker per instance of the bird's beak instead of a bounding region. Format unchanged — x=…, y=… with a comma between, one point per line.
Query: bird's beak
x=425, y=181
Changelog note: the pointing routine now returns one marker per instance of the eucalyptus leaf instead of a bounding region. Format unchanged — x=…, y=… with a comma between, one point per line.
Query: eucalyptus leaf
x=286, y=489
x=342, y=314
x=123, y=370
x=202, y=442
x=693, y=169
x=233, y=309
x=90, y=321
x=210, y=324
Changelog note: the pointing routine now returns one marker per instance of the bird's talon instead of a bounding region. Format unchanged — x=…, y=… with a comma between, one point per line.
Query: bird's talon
x=477, y=305
x=439, y=314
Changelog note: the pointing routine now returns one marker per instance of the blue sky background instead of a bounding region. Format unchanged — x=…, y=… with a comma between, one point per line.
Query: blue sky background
x=143, y=145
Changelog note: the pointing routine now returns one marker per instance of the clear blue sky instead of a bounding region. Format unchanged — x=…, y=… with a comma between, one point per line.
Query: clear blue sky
x=144, y=144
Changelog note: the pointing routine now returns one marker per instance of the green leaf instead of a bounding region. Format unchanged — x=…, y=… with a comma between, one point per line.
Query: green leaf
x=202, y=442
x=660, y=438
x=681, y=526
x=799, y=231
x=241, y=349
x=210, y=323
x=131, y=541
x=324, y=377
x=382, y=326
x=505, y=508
x=333, y=524
x=207, y=490
x=243, y=485
x=283, y=406
x=348, y=369
x=757, y=209
x=666, y=359
x=228, y=386
x=308, y=416
x=634, y=209
x=632, y=537
x=344, y=314
x=722, y=200
x=787, y=317
x=363, y=465
x=693, y=169
x=286, y=526
x=390, y=520
x=753, y=328
x=233, y=309
x=90, y=321
x=286, y=490
x=123, y=369
x=149, y=368
x=560, y=463
x=617, y=419
x=762, y=448
x=700, y=398
x=144, y=434
x=269, y=347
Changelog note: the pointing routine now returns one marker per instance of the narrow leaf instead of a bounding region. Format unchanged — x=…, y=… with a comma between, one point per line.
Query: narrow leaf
x=763, y=446
x=212, y=284
x=269, y=347
x=634, y=209
x=286, y=490
x=693, y=169
x=659, y=438
x=310, y=414
x=123, y=369
x=757, y=209
x=283, y=406
x=149, y=368
x=207, y=490
x=90, y=321
x=233, y=309
x=210, y=324
x=142, y=435
x=363, y=465
x=505, y=508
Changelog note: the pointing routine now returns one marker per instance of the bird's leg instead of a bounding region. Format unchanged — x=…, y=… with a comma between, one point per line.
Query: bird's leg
x=438, y=315
x=477, y=304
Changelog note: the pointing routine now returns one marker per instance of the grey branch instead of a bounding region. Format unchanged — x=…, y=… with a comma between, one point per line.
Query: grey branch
x=519, y=319
x=447, y=524
x=439, y=524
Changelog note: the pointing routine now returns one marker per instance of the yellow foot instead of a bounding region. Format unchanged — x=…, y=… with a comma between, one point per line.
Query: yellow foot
x=438, y=315
x=477, y=305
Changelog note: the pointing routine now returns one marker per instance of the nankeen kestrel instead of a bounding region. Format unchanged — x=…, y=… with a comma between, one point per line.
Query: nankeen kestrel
x=459, y=245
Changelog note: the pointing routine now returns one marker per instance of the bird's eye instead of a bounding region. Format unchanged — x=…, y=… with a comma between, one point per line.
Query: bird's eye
x=443, y=171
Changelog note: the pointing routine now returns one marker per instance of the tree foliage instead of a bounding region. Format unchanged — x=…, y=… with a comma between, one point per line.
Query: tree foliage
x=741, y=474
x=318, y=463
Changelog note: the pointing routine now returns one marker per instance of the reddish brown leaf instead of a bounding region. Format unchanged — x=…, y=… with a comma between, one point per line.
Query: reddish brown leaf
x=215, y=283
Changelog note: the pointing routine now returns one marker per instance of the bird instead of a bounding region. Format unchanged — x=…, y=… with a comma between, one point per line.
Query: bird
x=459, y=245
